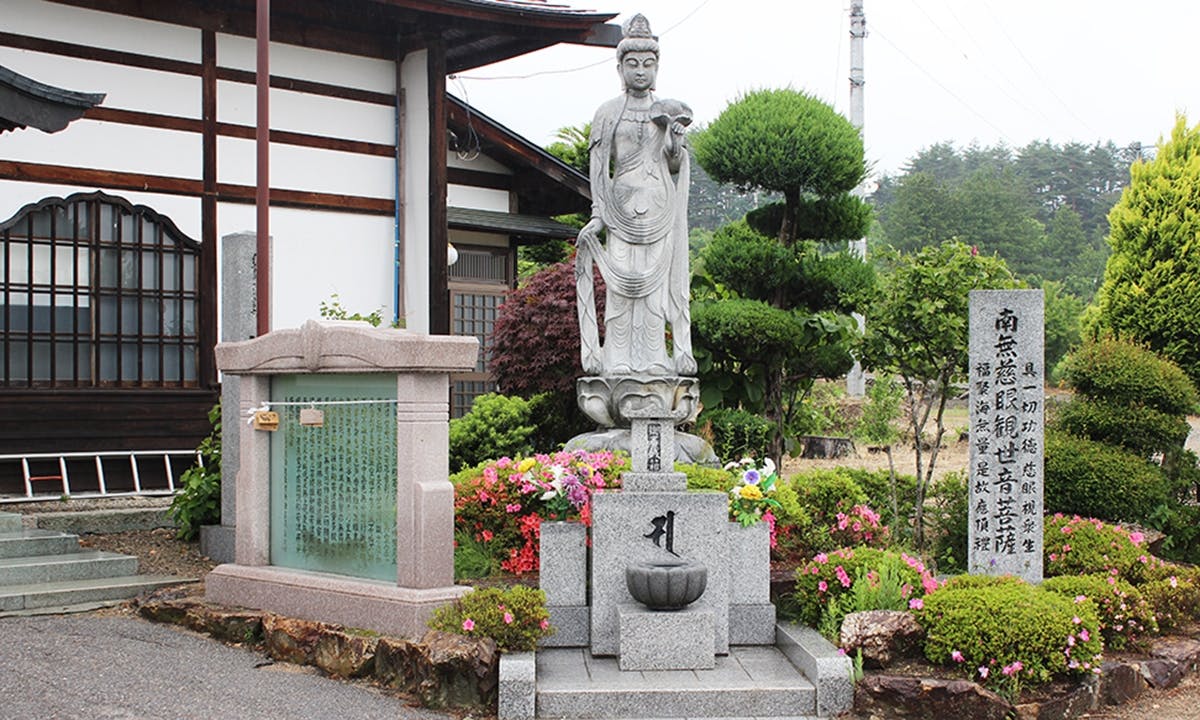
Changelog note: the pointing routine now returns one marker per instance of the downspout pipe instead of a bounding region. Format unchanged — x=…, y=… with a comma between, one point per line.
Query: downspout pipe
x=262, y=191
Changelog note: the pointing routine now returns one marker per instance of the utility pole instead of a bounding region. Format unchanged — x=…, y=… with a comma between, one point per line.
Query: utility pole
x=856, y=381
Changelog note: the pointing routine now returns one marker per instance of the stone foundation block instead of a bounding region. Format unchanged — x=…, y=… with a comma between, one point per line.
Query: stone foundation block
x=571, y=625
x=665, y=640
x=518, y=687
x=752, y=624
x=563, y=565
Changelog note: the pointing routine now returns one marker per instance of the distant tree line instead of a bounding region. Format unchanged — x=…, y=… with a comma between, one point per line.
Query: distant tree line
x=1043, y=207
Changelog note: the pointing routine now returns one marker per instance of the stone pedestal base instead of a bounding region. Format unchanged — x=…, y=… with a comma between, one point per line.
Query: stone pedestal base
x=367, y=604
x=571, y=625
x=665, y=640
x=752, y=624
x=218, y=542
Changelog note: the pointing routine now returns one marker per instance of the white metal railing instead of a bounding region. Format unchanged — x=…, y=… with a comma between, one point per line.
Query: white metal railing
x=62, y=478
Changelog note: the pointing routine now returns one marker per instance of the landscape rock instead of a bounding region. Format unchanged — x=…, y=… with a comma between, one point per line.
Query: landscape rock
x=1184, y=651
x=1162, y=674
x=292, y=640
x=1071, y=704
x=235, y=625
x=883, y=636
x=927, y=699
x=442, y=669
x=345, y=654
x=1121, y=682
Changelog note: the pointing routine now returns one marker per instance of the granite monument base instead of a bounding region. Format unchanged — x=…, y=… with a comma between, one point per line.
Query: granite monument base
x=665, y=639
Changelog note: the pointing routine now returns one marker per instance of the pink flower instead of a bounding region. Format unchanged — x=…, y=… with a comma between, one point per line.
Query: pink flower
x=512, y=508
x=983, y=671
x=956, y=656
x=508, y=618
x=821, y=558
x=1066, y=549
x=842, y=577
x=1174, y=582
x=1013, y=669
x=1080, y=598
x=916, y=604
x=544, y=624
x=1136, y=537
x=929, y=584
x=1084, y=635
x=822, y=586
x=487, y=535
x=468, y=625
x=1076, y=620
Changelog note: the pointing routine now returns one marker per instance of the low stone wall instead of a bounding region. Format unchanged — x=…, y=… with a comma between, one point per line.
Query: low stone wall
x=440, y=670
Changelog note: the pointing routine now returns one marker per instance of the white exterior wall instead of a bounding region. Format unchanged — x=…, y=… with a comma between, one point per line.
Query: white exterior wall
x=317, y=253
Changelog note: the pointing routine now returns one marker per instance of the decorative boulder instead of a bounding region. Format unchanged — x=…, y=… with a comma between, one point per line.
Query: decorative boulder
x=882, y=635
x=928, y=699
x=443, y=669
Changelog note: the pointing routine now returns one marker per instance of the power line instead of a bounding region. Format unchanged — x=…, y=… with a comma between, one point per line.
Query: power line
x=937, y=82
x=981, y=67
x=1035, y=71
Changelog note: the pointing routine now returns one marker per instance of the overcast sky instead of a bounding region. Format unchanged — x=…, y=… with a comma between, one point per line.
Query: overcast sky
x=984, y=71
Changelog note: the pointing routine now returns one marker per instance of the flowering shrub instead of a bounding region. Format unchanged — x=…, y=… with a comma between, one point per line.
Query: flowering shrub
x=859, y=526
x=515, y=617
x=502, y=504
x=1126, y=619
x=748, y=499
x=1174, y=593
x=1004, y=632
x=829, y=576
x=1082, y=546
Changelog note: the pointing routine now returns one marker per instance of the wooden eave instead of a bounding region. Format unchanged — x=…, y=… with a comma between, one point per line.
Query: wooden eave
x=474, y=32
x=544, y=184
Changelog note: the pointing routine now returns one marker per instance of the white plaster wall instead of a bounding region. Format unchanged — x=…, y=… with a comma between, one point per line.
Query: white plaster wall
x=127, y=88
x=312, y=169
x=99, y=29
x=312, y=114
x=318, y=254
x=481, y=163
x=317, y=65
x=109, y=146
x=415, y=213
x=476, y=198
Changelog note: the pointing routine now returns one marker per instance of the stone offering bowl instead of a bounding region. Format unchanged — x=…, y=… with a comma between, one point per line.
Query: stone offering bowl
x=666, y=584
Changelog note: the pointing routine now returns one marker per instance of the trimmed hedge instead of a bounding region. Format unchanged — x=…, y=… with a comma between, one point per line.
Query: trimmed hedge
x=1124, y=373
x=1084, y=477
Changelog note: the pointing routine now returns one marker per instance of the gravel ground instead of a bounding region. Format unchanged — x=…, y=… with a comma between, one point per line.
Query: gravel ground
x=158, y=552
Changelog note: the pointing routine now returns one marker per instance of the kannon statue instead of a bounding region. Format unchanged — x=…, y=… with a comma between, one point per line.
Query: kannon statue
x=639, y=180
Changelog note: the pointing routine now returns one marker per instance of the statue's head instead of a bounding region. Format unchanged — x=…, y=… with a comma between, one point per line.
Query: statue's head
x=637, y=55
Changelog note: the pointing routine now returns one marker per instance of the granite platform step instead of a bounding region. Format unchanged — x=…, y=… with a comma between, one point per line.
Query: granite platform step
x=28, y=542
x=81, y=565
x=66, y=595
x=10, y=522
x=751, y=681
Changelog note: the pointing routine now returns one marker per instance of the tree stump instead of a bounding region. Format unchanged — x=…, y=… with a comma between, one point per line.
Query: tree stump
x=819, y=447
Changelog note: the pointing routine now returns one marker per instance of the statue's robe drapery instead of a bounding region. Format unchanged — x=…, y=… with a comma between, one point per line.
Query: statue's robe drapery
x=643, y=203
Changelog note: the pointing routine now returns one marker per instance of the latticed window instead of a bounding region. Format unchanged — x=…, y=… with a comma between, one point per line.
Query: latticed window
x=97, y=293
x=478, y=282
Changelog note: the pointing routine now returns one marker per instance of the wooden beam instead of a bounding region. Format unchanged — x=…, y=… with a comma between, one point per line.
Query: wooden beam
x=439, y=288
x=208, y=210
x=166, y=185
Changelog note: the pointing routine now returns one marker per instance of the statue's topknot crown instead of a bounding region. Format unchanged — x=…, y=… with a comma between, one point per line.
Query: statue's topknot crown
x=638, y=37
x=637, y=26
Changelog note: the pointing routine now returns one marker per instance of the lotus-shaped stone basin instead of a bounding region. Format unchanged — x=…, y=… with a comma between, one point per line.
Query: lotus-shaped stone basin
x=666, y=584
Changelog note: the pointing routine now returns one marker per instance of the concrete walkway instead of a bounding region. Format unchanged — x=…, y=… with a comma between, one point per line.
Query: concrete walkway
x=92, y=667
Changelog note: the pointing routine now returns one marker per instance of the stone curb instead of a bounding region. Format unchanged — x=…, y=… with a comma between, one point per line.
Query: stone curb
x=1119, y=682
x=441, y=670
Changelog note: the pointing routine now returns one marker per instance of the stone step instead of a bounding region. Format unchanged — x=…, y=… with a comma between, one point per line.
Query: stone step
x=60, y=596
x=10, y=522
x=30, y=542
x=104, y=520
x=83, y=565
x=756, y=681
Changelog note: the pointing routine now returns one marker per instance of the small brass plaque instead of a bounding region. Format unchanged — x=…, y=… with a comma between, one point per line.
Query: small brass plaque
x=266, y=420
